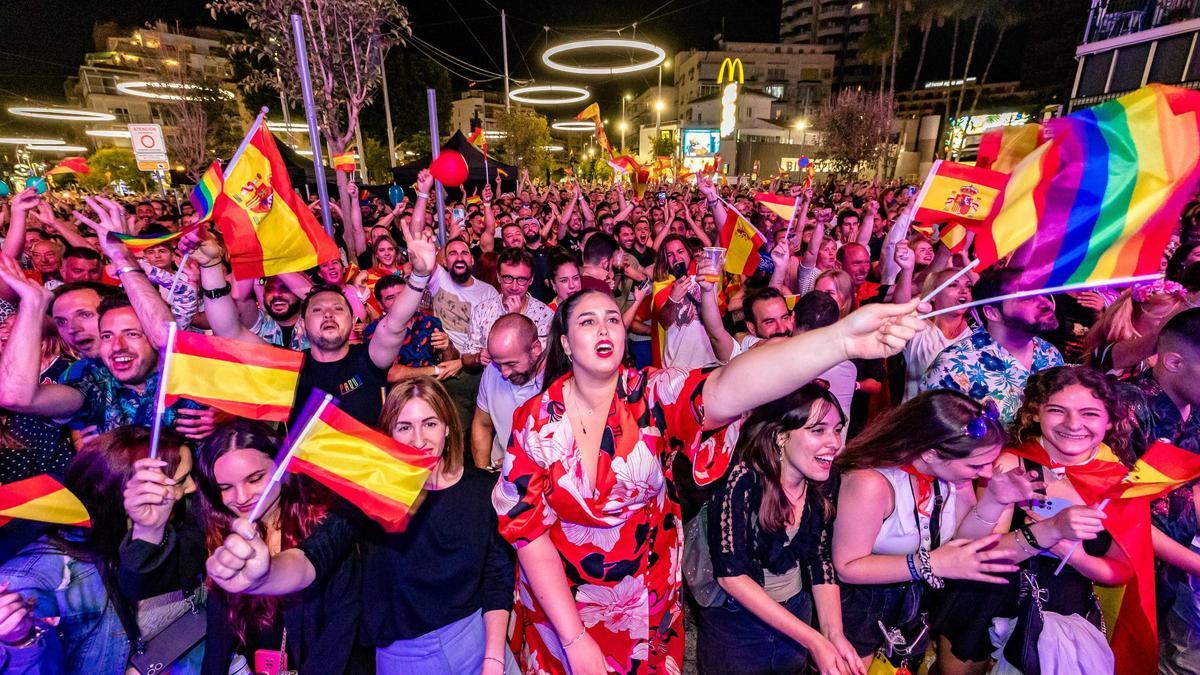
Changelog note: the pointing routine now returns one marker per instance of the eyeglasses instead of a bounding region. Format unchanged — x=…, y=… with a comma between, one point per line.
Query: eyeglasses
x=510, y=279
x=978, y=427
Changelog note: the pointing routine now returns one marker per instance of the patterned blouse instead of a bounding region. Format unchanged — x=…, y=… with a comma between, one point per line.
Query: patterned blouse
x=980, y=368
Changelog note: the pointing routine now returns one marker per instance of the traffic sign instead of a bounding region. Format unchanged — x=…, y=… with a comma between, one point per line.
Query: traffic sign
x=148, y=146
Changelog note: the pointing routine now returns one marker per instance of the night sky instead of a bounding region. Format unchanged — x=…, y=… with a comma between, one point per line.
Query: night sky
x=42, y=42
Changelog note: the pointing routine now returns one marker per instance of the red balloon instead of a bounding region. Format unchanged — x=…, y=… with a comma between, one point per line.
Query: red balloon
x=450, y=168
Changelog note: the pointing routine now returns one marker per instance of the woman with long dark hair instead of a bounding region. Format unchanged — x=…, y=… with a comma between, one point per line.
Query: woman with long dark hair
x=314, y=628
x=62, y=610
x=1073, y=431
x=587, y=491
x=769, y=531
x=908, y=517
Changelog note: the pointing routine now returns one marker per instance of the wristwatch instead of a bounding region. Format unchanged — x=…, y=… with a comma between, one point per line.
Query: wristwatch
x=214, y=293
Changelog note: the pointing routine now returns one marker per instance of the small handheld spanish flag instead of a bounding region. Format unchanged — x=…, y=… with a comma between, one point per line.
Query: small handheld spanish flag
x=43, y=499
x=344, y=162
x=247, y=380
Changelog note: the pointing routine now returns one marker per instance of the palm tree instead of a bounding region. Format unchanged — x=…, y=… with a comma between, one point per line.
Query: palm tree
x=1003, y=17
x=980, y=9
x=929, y=13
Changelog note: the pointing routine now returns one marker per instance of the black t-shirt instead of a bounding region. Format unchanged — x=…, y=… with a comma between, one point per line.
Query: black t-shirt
x=354, y=380
x=644, y=258
x=541, y=269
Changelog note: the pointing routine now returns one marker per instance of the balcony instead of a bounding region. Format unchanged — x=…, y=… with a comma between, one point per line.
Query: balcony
x=1113, y=18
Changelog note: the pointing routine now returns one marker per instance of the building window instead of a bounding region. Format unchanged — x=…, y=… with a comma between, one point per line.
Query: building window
x=776, y=74
x=775, y=90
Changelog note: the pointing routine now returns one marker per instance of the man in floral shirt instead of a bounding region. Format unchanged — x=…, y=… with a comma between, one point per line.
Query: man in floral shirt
x=997, y=360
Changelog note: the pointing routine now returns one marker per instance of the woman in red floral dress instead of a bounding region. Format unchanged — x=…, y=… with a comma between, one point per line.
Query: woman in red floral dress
x=587, y=495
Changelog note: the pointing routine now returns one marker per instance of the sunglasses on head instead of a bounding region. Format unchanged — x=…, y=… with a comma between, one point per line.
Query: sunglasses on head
x=978, y=427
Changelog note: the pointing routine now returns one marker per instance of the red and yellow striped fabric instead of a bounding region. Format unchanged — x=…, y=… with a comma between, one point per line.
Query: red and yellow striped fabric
x=780, y=205
x=380, y=476
x=267, y=228
x=247, y=380
x=43, y=499
x=344, y=162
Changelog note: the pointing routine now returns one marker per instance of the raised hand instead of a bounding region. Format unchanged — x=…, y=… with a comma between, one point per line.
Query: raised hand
x=422, y=253
x=29, y=292
x=149, y=498
x=879, y=330
x=242, y=561
x=971, y=560
x=904, y=256
x=16, y=619
x=424, y=181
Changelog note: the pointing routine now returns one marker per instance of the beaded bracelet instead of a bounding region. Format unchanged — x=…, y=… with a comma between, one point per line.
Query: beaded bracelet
x=1028, y=535
x=926, y=570
x=575, y=639
x=912, y=567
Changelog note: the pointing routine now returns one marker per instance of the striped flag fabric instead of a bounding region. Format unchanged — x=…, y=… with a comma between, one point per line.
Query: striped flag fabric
x=70, y=165
x=479, y=140
x=501, y=172
x=138, y=243
x=240, y=378
x=43, y=499
x=1001, y=149
x=743, y=243
x=343, y=162
x=780, y=205
x=1162, y=468
x=1098, y=202
x=204, y=195
x=380, y=476
x=268, y=230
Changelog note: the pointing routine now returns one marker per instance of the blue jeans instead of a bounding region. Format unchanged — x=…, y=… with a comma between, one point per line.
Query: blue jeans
x=454, y=649
x=896, y=606
x=733, y=641
x=1179, y=627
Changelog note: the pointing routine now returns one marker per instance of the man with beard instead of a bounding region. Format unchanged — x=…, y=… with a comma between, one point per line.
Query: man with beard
x=767, y=316
x=514, y=377
x=278, y=322
x=81, y=264
x=531, y=228
x=355, y=373
x=996, y=360
x=455, y=291
x=516, y=274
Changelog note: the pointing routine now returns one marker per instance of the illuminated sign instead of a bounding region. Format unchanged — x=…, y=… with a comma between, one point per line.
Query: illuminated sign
x=962, y=128
x=729, y=94
x=701, y=142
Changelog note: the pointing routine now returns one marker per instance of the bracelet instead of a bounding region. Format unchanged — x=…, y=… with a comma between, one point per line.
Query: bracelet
x=437, y=371
x=926, y=570
x=421, y=195
x=419, y=277
x=975, y=512
x=216, y=264
x=1029, y=537
x=1025, y=548
x=35, y=634
x=492, y=658
x=577, y=638
x=419, y=289
x=912, y=567
x=214, y=293
x=127, y=269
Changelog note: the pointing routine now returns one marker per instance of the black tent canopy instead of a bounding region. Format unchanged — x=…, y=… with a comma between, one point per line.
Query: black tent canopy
x=406, y=175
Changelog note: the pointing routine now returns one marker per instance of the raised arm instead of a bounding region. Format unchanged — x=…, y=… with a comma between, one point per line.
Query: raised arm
x=21, y=389
x=867, y=227
x=152, y=311
x=21, y=205
x=905, y=259
x=710, y=314
x=772, y=370
x=421, y=206
x=224, y=317
x=487, y=240
x=389, y=334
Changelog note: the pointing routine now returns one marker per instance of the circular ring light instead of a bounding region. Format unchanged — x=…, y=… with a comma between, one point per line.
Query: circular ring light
x=566, y=94
x=573, y=126
x=167, y=91
x=12, y=140
x=56, y=148
x=108, y=133
x=618, y=43
x=62, y=114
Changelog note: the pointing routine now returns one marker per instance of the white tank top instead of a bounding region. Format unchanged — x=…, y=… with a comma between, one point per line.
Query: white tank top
x=900, y=534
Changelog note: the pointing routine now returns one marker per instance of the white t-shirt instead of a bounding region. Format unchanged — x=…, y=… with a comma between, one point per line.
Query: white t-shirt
x=921, y=350
x=499, y=398
x=452, y=303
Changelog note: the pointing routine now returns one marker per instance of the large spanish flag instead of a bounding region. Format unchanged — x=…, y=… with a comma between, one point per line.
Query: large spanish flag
x=1001, y=149
x=380, y=476
x=267, y=228
x=956, y=192
x=243, y=379
x=743, y=243
x=43, y=499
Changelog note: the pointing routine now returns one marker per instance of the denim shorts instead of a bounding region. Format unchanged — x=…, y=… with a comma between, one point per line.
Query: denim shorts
x=896, y=606
x=733, y=641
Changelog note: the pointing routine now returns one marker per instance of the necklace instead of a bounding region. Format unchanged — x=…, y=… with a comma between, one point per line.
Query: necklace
x=582, y=408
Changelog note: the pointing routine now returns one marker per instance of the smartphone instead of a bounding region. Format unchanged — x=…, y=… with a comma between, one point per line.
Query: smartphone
x=662, y=197
x=458, y=213
x=912, y=190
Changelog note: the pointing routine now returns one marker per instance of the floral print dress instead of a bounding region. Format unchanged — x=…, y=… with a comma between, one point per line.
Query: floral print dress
x=621, y=540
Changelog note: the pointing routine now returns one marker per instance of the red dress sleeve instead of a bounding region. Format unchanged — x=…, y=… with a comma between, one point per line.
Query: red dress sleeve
x=676, y=400
x=520, y=494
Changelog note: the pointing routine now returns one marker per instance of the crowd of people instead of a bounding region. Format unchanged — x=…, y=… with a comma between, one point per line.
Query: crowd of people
x=820, y=480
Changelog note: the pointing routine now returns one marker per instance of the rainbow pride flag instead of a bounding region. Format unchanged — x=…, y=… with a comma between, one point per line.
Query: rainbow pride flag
x=138, y=243
x=1098, y=202
x=204, y=195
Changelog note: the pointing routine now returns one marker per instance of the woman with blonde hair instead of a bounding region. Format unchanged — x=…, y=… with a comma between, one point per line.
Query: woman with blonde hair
x=1122, y=341
x=839, y=286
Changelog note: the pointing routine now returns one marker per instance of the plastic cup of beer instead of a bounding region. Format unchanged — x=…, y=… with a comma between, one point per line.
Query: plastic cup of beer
x=715, y=256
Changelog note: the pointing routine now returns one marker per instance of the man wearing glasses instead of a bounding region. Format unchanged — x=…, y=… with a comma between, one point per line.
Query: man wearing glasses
x=516, y=274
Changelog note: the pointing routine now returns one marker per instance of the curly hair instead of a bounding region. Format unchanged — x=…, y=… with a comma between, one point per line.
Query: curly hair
x=1044, y=384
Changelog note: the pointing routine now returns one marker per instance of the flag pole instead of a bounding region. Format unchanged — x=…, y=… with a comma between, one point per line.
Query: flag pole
x=314, y=139
x=787, y=236
x=434, y=139
x=1071, y=551
x=258, y=120
x=281, y=467
x=1082, y=285
x=953, y=277
x=161, y=394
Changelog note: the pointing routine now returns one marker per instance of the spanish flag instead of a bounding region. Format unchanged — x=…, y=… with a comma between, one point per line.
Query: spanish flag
x=344, y=162
x=70, y=165
x=743, y=243
x=479, y=140
x=956, y=193
x=784, y=207
x=267, y=228
x=1003, y=148
x=240, y=378
x=43, y=499
x=501, y=172
x=380, y=476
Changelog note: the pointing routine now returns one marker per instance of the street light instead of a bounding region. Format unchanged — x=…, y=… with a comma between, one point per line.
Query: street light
x=800, y=125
